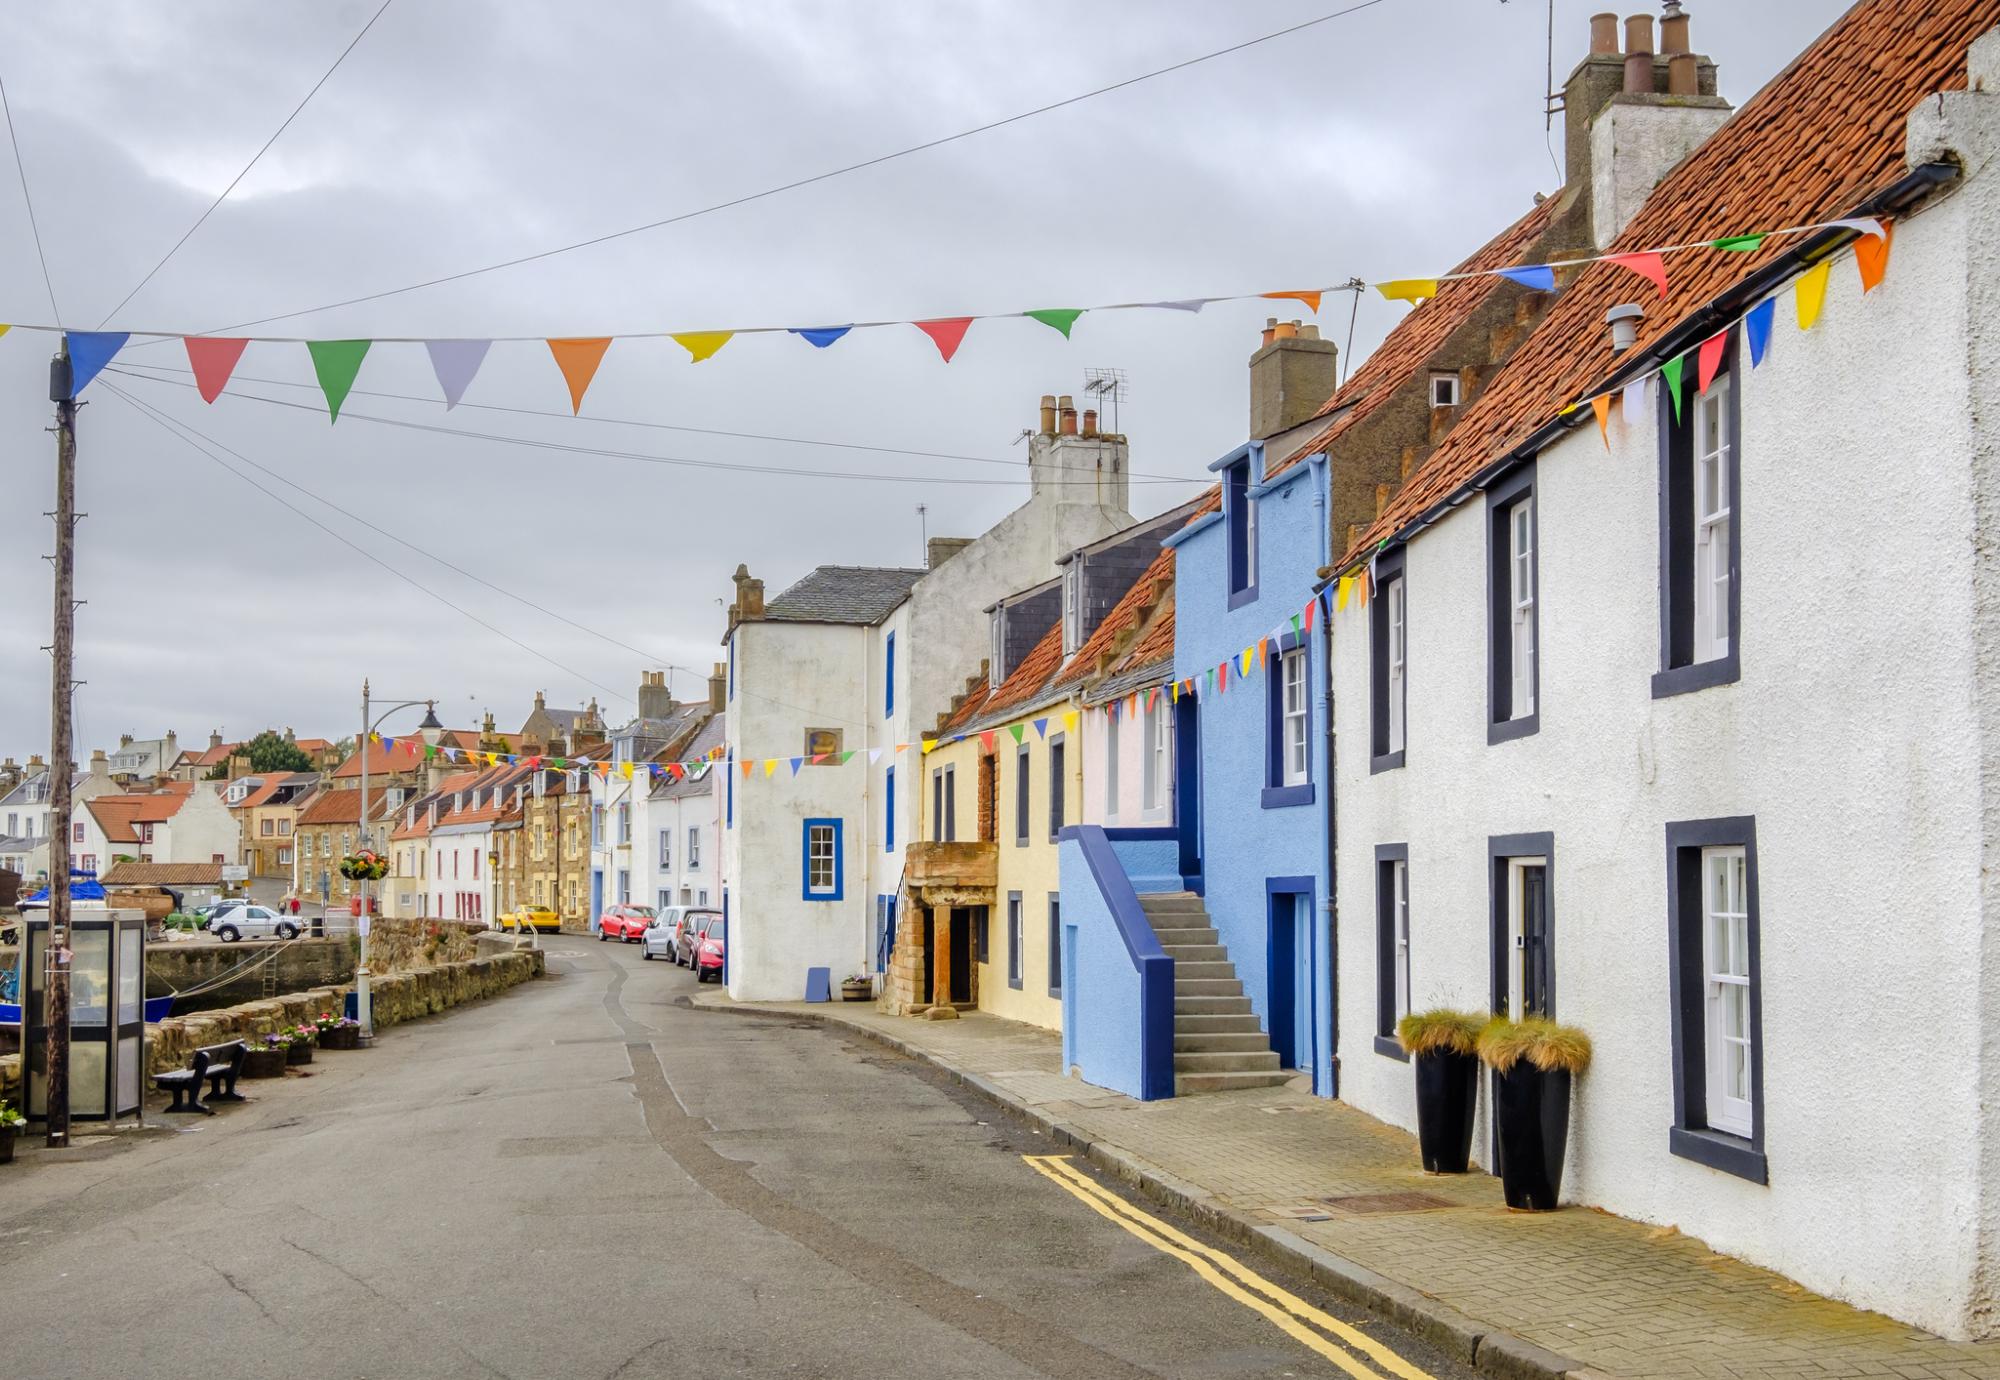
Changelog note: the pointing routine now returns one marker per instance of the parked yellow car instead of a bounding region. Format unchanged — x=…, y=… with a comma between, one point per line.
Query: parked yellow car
x=531, y=917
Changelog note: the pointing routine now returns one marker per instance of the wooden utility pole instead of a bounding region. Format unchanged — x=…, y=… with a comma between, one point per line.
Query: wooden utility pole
x=61, y=751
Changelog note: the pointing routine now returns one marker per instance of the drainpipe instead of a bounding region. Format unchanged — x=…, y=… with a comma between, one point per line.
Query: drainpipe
x=1322, y=483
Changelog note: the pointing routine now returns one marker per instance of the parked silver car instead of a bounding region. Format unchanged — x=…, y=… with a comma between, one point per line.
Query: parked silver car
x=243, y=920
x=663, y=937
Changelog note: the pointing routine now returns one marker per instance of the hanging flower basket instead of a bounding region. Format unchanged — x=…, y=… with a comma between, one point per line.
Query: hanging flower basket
x=364, y=866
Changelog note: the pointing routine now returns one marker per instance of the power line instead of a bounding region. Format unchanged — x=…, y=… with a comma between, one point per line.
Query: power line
x=203, y=218
x=637, y=457
x=797, y=183
x=33, y=224
x=183, y=434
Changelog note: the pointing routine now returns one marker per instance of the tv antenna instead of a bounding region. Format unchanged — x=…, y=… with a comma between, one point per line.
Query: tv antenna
x=923, y=532
x=1107, y=386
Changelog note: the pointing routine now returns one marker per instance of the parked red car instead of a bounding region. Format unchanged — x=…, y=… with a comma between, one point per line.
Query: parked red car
x=708, y=948
x=625, y=923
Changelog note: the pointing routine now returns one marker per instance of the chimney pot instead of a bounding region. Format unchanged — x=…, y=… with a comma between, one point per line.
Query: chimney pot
x=1683, y=75
x=1673, y=29
x=1309, y=333
x=1638, y=74
x=1270, y=329
x=1090, y=423
x=1068, y=417
x=1048, y=414
x=1638, y=34
x=1286, y=330
x=1603, y=33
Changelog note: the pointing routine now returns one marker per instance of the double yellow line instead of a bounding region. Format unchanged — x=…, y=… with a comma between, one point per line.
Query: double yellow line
x=1286, y=1310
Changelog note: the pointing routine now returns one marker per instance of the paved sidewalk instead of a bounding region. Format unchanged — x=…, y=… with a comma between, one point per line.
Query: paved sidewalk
x=1576, y=1292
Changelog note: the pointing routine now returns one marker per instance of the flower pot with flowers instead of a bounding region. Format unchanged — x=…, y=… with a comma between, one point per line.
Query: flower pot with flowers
x=11, y=1122
x=1440, y=1044
x=857, y=987
x=267, y=1057
x=299, y=1042
x=337, y=1032
x=364, y=866
x=1536, y=1060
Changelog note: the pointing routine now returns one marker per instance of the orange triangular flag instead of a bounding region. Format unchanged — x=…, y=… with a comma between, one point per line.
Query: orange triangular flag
x=1361, y=587
x=578, y=359
x=1871, y=256
x=1601, y=405
x=1311, y=299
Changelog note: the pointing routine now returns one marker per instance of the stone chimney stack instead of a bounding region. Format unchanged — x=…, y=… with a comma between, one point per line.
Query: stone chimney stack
x=938, y=550
x=1068, y=466
x=100, y=765
x=1292, y=374
x=656, y=701
x=718, y=688
x=749, y=605
x=214, y=739
x=1630, y=117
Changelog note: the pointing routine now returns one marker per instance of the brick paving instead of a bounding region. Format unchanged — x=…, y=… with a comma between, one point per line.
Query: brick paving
x=1623, y=1298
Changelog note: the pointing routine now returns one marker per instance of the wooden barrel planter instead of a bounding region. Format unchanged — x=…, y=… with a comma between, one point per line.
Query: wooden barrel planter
x=266, y=1063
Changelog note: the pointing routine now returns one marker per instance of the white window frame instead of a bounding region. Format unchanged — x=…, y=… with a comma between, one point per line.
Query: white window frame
x=1111, y=748
x=694, y=847
x=1725, y=962
x=1521, y=602
x=1295, y=763
x=997, y=651
x=1072, y=608
x=1397, y=614
x=1713, y=455
x=1250, y=540
x=666, y=849
x=1444, y=390
x=1159, y=749
x=1517, y=949
x=820, y=846
x=1399, y=916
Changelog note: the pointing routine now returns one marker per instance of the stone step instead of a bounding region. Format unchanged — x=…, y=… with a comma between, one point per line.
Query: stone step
x=1227, y=1042
x=1196, y=953
x=1210, y=1006
x=1173, y=905
x=1186, y=1023
x=1187, y=970
x=1227, y=1061
x=1207, y=987
x=1173, y=936
x=1186, y=1083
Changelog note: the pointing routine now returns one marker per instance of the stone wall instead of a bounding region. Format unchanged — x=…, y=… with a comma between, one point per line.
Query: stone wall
x=301, y=965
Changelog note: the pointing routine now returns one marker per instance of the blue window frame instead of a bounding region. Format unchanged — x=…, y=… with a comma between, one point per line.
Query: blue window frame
x=889, y=811
x=1239, y=511
x=1288, y=725
x=732, y=668
x=889, y=677
x=822, y=868
x=885, y=931
x=729, y=792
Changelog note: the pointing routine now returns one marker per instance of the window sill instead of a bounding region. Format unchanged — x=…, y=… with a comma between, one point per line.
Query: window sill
x=1508, y=731
x=1682, y=680
x=1282, y=797
x=1392, y=1047
x=1014, y=983
x=1239, y=597
x=1388, y=761
x=1719, y=1150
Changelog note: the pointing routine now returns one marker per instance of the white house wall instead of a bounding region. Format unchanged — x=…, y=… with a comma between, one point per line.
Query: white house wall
x=1128, y=810
x=1851, y=738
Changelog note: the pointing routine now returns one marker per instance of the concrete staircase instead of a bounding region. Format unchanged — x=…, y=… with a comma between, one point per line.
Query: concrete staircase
x=1218, y=1043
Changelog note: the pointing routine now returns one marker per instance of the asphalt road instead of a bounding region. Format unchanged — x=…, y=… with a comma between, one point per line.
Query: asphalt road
x=587, y=1178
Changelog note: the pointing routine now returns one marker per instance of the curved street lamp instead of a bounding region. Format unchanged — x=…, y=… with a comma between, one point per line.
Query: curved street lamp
x=432, y=730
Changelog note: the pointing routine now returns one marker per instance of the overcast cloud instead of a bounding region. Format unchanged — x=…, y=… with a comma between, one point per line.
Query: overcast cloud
x=1386, y=144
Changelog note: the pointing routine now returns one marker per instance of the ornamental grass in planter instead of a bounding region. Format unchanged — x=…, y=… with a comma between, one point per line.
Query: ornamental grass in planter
x=1441, y=1045
x=1536, y=1059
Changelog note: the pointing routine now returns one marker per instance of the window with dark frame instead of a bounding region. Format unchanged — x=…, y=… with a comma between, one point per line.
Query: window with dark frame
x=1513, y=694
x=1056, y=747
x=1716, y=996
x=951, y=804
x=1240, y=519
x=1014, y=939
x=1288, y=725
x=1055, y=944
x=1388, y=627
x=1700, y=538
x=1023, y=783
x=1392, y=945
x=889, y=810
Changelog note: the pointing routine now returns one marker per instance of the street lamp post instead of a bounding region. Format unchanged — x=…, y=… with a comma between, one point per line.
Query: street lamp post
x=431, y=730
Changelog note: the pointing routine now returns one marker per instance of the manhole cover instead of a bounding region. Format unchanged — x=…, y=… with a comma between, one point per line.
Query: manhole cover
x=1388, y=1202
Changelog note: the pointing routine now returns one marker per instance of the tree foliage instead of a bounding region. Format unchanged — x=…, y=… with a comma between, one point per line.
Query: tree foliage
x=268, y=752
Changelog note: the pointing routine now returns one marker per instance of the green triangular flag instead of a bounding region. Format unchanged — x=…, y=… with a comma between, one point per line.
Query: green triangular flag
x=1671, y=372
x=1061, y=318
x=430, y=751
x=846, y=757
x=337, y=362
x=1738, y=244
x=1016, y=730
x=560, y=762
x=1295, y=625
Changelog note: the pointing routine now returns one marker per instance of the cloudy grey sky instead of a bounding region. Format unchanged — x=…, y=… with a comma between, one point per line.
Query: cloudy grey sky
x=1385, y=144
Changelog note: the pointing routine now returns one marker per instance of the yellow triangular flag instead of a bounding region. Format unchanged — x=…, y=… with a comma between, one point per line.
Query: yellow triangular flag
x=1408, y=289
x=1069, y=721
x=1342, y=590
x=5, y=329
x=929, y=743
x=625, y=770
x=770, y=766
x=702, y=344
x=1812, y=293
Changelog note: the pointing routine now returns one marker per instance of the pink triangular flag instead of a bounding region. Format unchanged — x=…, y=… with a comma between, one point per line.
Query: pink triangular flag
x=1650, y=266
x=945, y=334
x=213, y=361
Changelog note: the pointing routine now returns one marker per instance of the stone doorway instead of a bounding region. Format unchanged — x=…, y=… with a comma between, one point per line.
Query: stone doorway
x=954, y=955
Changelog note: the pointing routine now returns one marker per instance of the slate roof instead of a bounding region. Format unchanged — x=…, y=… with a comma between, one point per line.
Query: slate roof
x=844, y=594
x=711, y=735
x=1127, y=616
x=1817, y=143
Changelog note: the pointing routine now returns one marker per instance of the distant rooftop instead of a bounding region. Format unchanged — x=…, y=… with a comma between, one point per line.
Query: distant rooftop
x=844, y=594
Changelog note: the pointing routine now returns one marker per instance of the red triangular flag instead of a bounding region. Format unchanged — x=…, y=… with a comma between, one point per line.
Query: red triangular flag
x=1649, y=266
x=1710, y=359
x=986, y=741
x=945, y=334
x=213, y=361
x=1311, y=604
x=1871, y=256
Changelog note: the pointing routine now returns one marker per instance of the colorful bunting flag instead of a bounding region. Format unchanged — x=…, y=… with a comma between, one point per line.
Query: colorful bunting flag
x=1709, y=360
x=1757, y=326
x=578, y=359
x=335, y=363
x=1408, y=289
x=1812, y=293
x=625, y=768
x=946, y=334
x=748, y=767
x=1865, y=225
x=1041, y=728
x=1871, y=256
x=1738, y=244
x=797, y=762
x=89, y=352
x=702, y=344
x=986, y=742
x=1222, y=679
x=456, y=363
x=1069, y=721
x=1652, y=267
x=1017, y=729
x=1185, y=304
x=874, y=756
x=770, y=766
x=1671, y=372
x=1540, y=277
x=1601, y=405
x=821, y=336
x=929, y=743
x=1361, y=583
x=1346, y=589
x=1311, y=299
x=1056, y=318
x=1633, y=405
x=213, y=360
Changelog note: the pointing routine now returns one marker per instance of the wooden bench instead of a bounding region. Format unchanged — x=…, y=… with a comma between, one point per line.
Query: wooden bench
x=217, y=1065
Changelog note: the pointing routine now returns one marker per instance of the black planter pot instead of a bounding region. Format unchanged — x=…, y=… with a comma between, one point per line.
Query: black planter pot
x=1532, y=1112
x=299, y=1054
x=1447, y=1094
x=7, y=1144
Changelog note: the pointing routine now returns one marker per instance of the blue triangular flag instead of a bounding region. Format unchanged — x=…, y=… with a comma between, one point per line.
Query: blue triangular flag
x=822, y=336
x=1041, y=728
x=1540, y=277
x=1758, y=326
x=89, y=352
x=795, y=765
x=388, y=745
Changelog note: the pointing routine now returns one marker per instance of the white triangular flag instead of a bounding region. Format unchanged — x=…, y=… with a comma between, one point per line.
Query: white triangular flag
x=455, y=362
